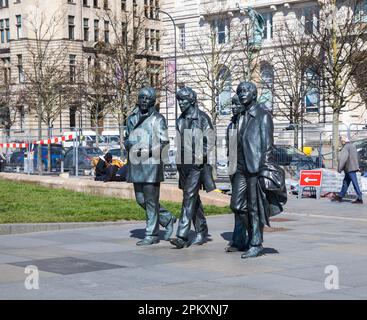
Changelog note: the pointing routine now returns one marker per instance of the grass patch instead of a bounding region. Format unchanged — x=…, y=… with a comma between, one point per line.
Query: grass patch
x=30, y=203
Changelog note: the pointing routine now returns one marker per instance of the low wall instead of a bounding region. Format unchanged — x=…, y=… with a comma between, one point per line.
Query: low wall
x=122, y=190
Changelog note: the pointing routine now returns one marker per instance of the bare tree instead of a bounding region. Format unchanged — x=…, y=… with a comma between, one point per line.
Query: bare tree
x=342, y=38
x=43, y=73
x=295, y=69
x=214, y=62
x=125, y=65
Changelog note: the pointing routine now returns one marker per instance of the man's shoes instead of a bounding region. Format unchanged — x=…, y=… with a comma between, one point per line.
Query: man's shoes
x=169, y=228
x=199, y=239
x=178, y=242
x=360, y=201
x=337, y=198
x=147, y=241
x=253, y=252
x=231, y=249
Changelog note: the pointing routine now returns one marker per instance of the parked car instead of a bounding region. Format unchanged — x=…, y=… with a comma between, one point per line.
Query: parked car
x=361, y=146
x=289, y=156
x=116, y=152
x=57, y=152
x=85, y=157
x=222, y=168
x=170, y=169
x=17, y=157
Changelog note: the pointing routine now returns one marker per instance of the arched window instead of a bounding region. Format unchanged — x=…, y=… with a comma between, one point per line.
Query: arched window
x=224, y=86
x=312, y=96
x=266, y=86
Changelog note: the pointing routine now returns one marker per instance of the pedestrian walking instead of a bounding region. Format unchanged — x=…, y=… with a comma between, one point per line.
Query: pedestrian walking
x=348, y=162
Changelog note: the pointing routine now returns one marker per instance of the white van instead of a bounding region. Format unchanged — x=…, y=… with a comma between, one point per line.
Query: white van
x=111, y=139
x=88, y=138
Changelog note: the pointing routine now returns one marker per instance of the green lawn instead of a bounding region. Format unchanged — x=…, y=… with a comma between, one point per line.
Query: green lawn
x=24, y=202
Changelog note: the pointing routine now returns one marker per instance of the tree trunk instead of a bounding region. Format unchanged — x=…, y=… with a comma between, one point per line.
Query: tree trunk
x=49, y=164
x=335, y=142
x=295, y=136
x=121, y=131
x=39, y=146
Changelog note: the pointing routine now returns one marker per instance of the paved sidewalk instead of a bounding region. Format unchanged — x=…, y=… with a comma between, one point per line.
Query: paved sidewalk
x=105, y=263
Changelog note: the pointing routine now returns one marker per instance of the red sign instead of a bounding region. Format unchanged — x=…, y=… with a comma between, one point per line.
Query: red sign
x=310, y=178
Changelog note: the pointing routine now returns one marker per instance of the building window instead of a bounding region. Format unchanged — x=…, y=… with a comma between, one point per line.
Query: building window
x=86, y=29
x=152, y=39
x=153, y=74
x=107, y=31
x=96, y=30
x=2, y=31
x=71, y=1
x=95, y=3
x=151, y=9
x=221, y=30
x=71, y=27
x=19, y=26
x=157, y=40
x=312, y=96
x=156, y=11
x=309, y=20
x=123, y=5
x=85, y=3
x=182, y=36
x=7, y=30
x=146, y=39
x=135, y=38
x=72, y=67
x=146, y=9
x=135, y=8
x=266, y=86
x=360, y=11
x=21, y=112
x=4, y=3
x=21, y=76
x=72, y=118
x=224, y=81
x=6, y=70
x=268, y=25
x=105, y=4
x=124, y=33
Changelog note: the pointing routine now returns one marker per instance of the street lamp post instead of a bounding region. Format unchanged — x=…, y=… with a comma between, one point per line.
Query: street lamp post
x=175, y=39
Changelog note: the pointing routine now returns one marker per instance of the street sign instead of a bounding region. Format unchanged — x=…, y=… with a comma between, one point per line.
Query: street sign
x=310, y=178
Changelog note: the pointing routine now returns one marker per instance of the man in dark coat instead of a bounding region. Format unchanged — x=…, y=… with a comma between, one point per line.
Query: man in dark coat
x=348, y=163
x=258, y=184
x=146, y=142
x=195, y=141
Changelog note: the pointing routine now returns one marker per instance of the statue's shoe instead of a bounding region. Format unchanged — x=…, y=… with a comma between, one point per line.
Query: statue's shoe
x=147, y=241
x=253, y=252
x=169, y=228
x=178, y=242
x=231, y=249
x=198, y=240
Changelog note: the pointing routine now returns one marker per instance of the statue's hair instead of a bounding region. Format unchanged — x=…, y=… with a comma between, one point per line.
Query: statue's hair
x=187, y=93
x=151, y=92
x=250, y=85
x=236, y=100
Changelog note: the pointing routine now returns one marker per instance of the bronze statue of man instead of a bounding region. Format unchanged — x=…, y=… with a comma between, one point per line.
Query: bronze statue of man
x=145, y=141
x=195, y=139
x=258, y=185
x=239, y=236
